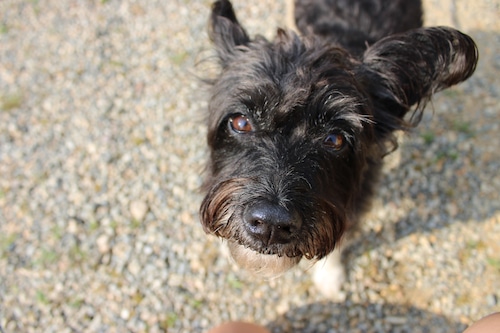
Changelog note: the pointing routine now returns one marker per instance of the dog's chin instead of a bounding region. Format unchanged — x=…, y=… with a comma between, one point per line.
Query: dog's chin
x=263, y=265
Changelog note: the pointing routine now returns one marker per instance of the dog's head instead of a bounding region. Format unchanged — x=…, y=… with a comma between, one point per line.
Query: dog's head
x=298, y=128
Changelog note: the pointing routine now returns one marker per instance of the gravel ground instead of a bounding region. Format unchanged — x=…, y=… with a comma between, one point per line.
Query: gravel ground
x=101, y=155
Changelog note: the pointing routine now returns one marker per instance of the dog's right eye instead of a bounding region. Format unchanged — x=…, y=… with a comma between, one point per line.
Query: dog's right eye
x=240, y=124
x=335, y=141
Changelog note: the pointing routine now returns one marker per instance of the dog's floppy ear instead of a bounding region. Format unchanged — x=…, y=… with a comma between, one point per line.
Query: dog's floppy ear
x=225, y=31
x=406, y=69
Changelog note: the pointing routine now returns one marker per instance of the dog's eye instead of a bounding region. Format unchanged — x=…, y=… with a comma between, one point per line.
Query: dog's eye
x=335, y=141
x=241, y=124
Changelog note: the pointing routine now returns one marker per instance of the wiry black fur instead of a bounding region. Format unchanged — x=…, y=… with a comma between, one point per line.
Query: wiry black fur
x=354, y=24
x=342, y=77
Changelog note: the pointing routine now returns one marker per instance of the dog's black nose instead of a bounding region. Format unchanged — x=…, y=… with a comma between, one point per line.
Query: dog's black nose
x=271, y=223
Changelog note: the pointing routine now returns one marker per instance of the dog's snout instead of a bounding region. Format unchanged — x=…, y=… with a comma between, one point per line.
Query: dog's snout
x=271, y=223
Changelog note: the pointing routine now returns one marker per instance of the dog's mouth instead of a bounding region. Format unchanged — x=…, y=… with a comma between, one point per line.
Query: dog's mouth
x=267, y=265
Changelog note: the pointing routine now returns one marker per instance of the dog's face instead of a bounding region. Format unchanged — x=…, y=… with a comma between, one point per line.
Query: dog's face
x=297, y=131
x=289, y=132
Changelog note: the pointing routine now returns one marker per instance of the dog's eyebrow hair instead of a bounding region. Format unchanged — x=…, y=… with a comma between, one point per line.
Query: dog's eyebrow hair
x=260, y=100
x=339, y=99
x=337, y=105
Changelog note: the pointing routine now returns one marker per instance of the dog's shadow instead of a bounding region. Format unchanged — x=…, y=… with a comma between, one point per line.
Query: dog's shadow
x=368, y=317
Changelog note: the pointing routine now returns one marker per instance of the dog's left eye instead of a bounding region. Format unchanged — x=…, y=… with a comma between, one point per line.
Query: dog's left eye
x=335, y=141
x=240, y=123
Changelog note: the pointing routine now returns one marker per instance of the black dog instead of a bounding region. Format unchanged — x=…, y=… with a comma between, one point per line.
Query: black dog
x=298, y=127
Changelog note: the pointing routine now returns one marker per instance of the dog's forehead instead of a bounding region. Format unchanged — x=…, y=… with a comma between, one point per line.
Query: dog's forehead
x=279, y=85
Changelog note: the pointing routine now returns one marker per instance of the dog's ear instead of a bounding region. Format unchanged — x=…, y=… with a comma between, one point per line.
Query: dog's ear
x=225, y=31
x=404, y=70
